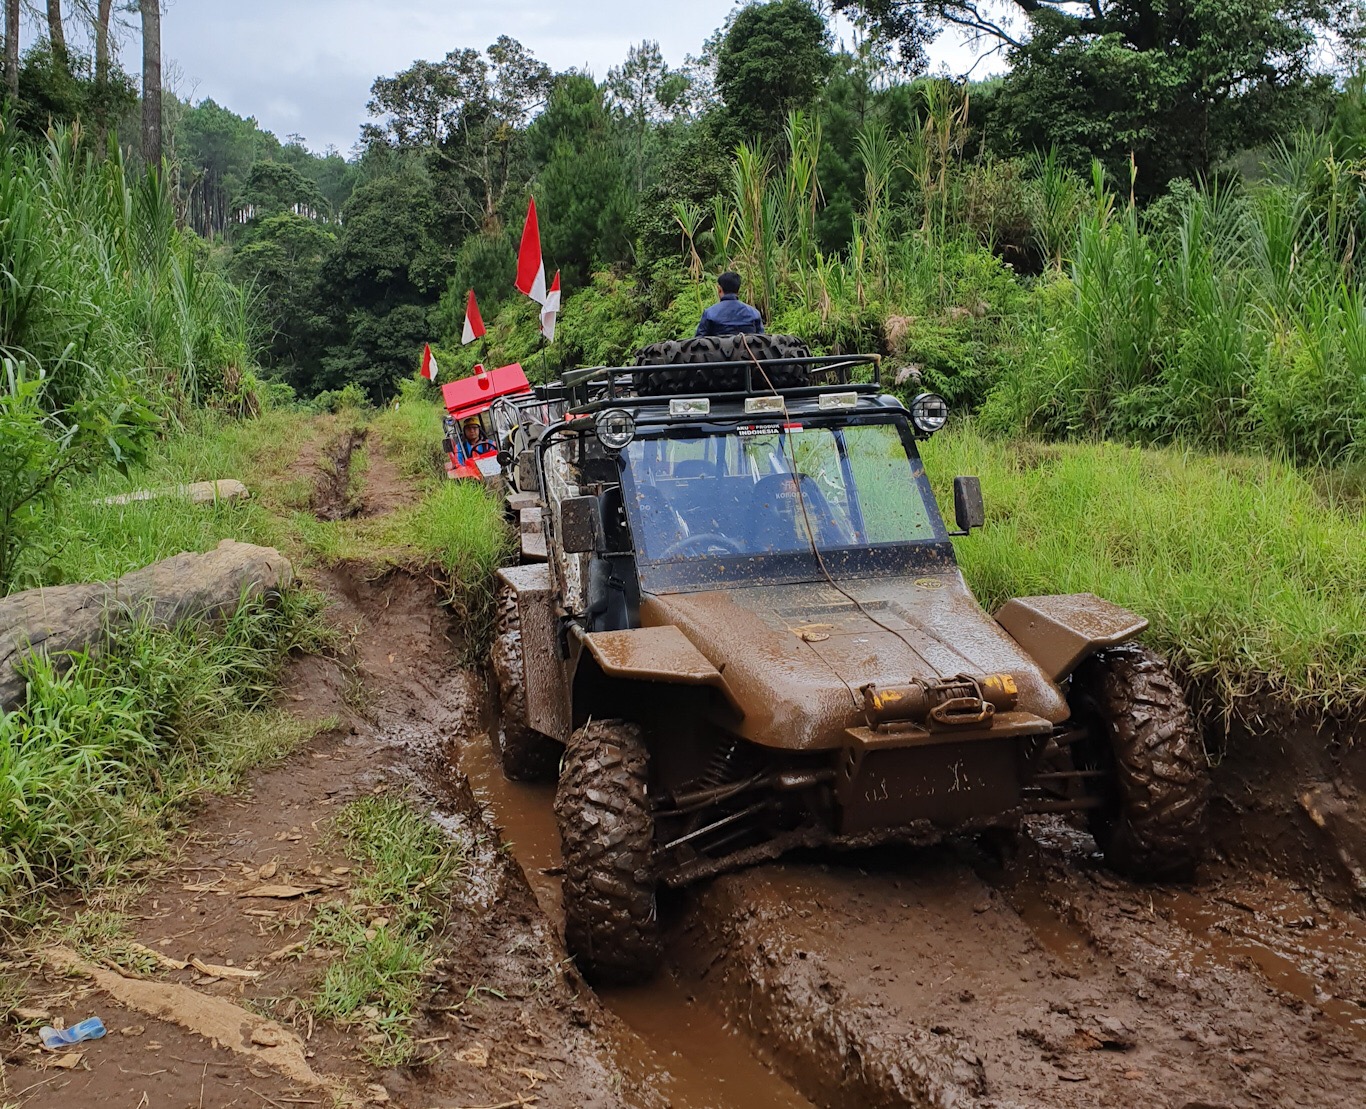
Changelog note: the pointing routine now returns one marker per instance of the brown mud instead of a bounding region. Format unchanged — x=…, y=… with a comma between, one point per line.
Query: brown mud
x=686, y=1052
x=946, y=978
x=508, y=1021
x=939, y=978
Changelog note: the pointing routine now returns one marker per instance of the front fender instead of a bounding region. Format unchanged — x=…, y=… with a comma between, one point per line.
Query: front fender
x=1061, y=630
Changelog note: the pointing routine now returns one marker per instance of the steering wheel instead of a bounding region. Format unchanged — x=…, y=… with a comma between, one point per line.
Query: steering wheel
x=703, y=539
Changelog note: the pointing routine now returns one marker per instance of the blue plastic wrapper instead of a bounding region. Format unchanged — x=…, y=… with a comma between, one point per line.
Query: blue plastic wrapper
x=54, y=1038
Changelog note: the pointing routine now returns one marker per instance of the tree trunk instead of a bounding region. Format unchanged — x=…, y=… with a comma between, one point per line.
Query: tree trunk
x=102, y=42
x=12, y=47
x=57, y=36
x=102, y=16
x=151, y=83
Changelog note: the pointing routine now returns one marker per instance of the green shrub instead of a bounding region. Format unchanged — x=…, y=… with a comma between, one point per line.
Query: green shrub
x=349, y=398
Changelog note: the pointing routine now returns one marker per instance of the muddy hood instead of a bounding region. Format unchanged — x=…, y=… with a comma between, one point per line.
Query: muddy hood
x=795, y=657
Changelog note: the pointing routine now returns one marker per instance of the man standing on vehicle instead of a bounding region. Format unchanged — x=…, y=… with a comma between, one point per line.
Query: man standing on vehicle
x=730, y=315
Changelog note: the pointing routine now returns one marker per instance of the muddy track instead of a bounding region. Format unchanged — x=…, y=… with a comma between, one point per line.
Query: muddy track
x=947, y=978
x=936, y=978
x=944, y=978
x=332, y=497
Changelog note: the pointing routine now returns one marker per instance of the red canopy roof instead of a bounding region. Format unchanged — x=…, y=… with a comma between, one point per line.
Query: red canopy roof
x=471, y=395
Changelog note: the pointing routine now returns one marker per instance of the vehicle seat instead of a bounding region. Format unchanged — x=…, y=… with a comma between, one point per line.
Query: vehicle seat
x=777, y=521
x=691, y=468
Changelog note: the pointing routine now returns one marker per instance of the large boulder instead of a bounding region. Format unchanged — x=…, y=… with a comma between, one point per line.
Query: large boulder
x=211, y=586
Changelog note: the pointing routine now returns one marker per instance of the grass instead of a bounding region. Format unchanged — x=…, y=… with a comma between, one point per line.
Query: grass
x=84, y=541
x=108, y=750
x=1250, y=577
x=411, y=430
x=407, y=869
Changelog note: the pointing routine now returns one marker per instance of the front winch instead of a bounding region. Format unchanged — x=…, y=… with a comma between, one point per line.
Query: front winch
x=948, y=703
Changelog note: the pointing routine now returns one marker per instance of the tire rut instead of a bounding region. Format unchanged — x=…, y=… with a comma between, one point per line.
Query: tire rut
x=892, y=979
x=332, y=497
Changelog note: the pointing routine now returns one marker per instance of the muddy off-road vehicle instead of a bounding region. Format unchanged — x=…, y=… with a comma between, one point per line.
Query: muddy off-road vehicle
x=738, y=628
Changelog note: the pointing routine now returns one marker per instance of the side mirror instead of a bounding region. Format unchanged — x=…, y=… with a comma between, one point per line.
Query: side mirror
x=579, y=525
x=447, y=447
x=505, y=459
x=527, y=480
x=968, y=510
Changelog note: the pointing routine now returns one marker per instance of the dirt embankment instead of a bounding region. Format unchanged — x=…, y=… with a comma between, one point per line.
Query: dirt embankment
x=1288, y=794
x=334, y=497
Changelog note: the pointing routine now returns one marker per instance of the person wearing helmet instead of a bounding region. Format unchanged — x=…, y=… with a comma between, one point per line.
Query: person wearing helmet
x=473, y=443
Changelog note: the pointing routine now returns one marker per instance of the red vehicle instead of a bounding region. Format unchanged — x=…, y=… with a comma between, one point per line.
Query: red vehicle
x=471, y=441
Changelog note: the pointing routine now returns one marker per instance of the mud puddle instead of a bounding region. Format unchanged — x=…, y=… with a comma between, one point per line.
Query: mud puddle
x=1301, y=951
x=681, y=1048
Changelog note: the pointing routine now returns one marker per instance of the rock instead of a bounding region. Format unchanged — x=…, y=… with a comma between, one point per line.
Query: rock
x=63, y=618
x=197, y=492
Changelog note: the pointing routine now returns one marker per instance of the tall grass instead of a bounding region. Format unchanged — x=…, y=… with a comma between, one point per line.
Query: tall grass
x=1229, y=318
x=1250, y=578
x=98, y=288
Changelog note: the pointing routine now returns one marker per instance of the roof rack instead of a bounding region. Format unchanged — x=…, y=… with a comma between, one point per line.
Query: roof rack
x=595, y=388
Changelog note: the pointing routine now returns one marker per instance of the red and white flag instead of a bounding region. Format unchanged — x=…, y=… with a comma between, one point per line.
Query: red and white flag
x=530, y=265
x=550, y=308
x=474, y=322
x=429, y=368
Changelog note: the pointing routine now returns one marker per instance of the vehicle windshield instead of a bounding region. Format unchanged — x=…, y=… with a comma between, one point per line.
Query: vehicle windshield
x=766, y=490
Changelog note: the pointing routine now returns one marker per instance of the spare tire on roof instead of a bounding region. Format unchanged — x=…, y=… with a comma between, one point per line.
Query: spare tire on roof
x=696, y=353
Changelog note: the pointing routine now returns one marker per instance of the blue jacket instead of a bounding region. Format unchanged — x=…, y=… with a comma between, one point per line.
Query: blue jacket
x=731, y=316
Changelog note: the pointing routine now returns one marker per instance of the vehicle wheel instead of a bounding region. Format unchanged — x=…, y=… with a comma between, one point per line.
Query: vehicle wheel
x=607, y=835
x=525, y=754
x=699, y=351
x=1152, y=822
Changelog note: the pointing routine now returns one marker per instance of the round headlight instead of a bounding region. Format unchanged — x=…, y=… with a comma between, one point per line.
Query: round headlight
x=616, y=428
x=929, y=413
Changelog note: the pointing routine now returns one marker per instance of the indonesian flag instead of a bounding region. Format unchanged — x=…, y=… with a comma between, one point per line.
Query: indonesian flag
x=550, y=307
x=474, y=322
x=530, y=265
x=429, y=369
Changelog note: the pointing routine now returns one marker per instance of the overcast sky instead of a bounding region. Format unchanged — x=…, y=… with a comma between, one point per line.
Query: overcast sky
x=305, y=66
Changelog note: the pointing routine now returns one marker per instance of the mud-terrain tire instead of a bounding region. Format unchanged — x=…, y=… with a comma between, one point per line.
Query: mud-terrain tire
x=697, y=352
x=607, y=837
x=525, y=754
x=1152, y=823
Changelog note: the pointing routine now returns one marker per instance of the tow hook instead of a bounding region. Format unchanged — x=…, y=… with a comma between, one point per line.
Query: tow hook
x=958, y=702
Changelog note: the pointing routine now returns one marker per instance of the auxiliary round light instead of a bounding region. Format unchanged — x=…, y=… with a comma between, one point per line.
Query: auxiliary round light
x=929, y=413
x=616, y=428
